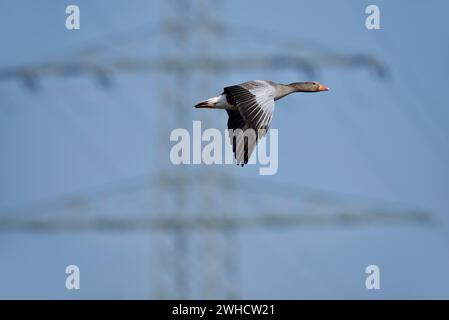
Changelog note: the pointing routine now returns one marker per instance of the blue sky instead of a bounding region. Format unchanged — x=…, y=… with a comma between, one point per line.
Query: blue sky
x=384, y=141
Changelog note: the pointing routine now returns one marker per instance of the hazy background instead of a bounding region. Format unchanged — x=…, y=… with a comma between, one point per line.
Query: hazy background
x=77, y=144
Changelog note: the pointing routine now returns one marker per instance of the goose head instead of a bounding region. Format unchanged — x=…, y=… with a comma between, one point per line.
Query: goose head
x=311, y=86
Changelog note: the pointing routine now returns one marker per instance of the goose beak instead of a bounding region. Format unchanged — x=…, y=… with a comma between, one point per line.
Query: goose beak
x=323, y=88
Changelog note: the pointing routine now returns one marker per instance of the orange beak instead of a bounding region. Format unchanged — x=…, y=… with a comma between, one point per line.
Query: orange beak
x=323, y=88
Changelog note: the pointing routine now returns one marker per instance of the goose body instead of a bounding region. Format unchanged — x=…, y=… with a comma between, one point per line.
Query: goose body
x=250, y=105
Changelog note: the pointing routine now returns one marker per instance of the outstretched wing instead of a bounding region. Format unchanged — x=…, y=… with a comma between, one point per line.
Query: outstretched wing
x=255, y=105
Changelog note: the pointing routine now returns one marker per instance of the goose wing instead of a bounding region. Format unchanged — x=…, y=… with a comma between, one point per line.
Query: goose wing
x=254, y=101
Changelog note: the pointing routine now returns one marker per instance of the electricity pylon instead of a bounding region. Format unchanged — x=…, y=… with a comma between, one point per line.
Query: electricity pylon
x=174, y=216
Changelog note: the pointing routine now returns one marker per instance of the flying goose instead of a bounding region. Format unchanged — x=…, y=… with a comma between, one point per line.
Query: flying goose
x=250, y=105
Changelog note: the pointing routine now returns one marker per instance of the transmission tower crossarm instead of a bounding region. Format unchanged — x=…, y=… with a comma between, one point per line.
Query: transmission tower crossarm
x=134, y=65
x=220, y=222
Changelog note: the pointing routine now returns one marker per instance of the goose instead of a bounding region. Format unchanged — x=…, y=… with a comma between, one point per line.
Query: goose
x=250, y=105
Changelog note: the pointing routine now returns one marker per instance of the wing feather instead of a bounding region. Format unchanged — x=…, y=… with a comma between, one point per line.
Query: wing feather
x=255, y=105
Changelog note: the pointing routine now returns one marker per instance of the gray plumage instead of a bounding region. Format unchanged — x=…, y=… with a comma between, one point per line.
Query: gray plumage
x=250, y=105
